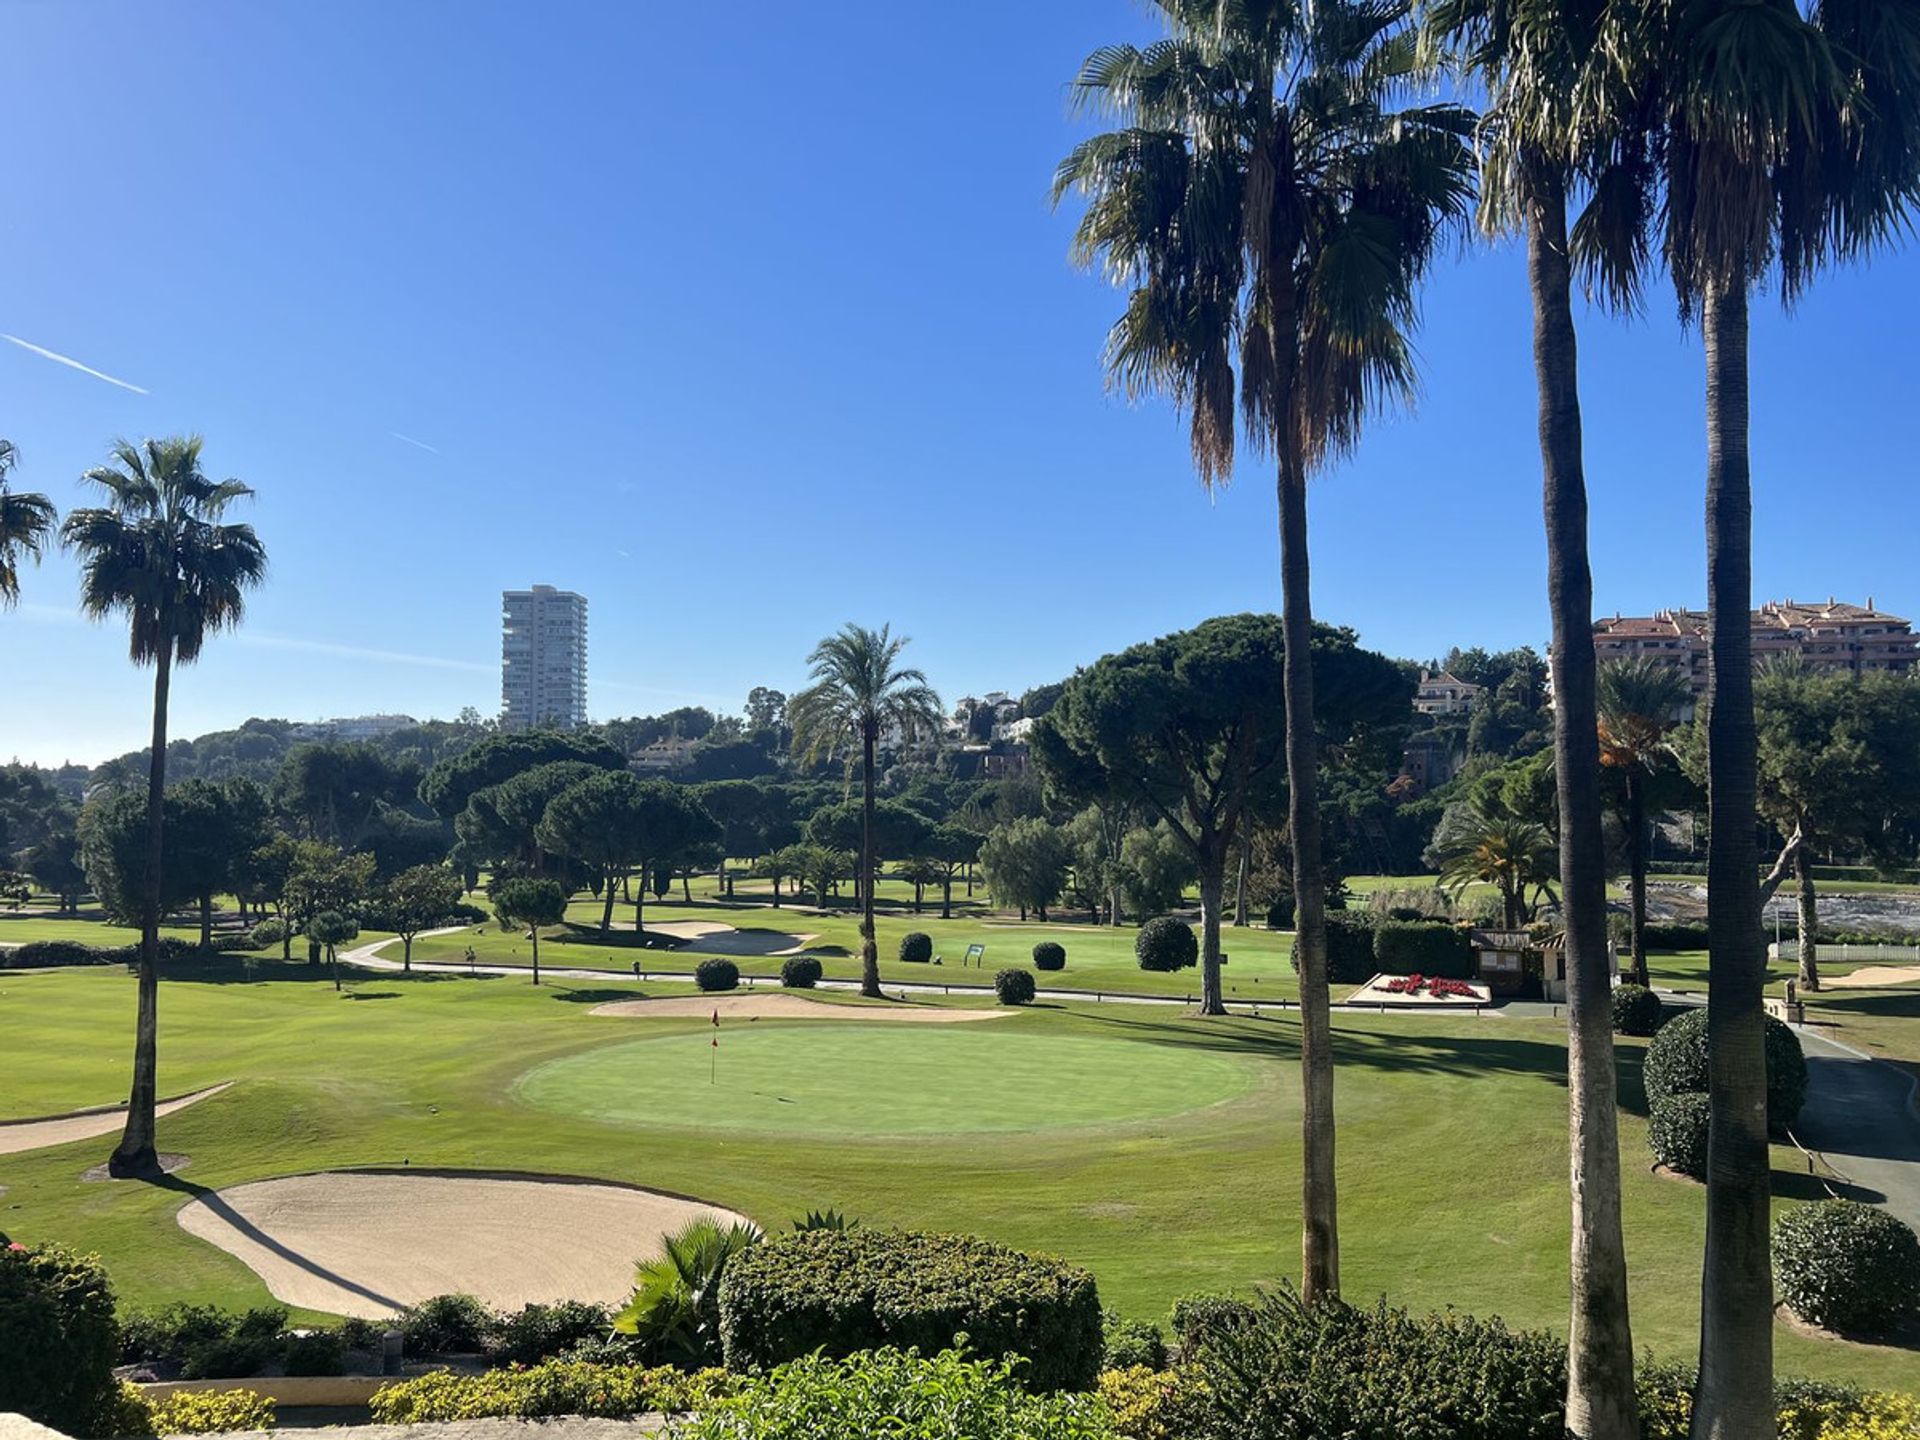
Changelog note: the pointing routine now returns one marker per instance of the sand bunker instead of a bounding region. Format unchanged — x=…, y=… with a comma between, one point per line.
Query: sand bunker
x=712, y=937
x=358, y=1243
x=787, y=1007
x=18, y=1135
x=1868, y=976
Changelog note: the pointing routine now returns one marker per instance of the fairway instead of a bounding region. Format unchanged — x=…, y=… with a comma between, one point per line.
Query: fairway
x=864, y=1079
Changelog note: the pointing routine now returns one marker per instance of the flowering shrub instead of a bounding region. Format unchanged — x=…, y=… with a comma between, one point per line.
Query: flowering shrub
x=210, y=1412
x=560, y=1387
x=1439, y=987
x=1148, y=1404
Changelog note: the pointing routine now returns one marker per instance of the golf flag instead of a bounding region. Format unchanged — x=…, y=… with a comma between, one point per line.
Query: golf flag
x=716, y=1027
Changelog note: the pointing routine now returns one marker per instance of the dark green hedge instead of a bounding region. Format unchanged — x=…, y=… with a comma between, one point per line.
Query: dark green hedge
x=1636, y=1010
x=1675, y=937
x=800, y=972
x=58, y=1338
x=1677, y=1134
x=1049, y=955
x=1422, y=947
x=1014, y=986
x=717, y=975
x=1848, y=1267
x=839, y=1291
x=916, y=947
x=1676, y=1064
x=1166, y=944
x=47, y=954
x=1350, y=959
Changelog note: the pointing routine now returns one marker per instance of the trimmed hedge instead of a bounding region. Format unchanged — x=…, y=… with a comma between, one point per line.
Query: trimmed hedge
x=216, y=1412
x=840, y=1291
x=1676, y=1064
x=1350, y=959
x=1847, y=1267
x=50, y=954
x=1636, y=1010
x=1014, y=986
x=800, y=972
x=916, y=947
x=1423, y=947
x=717, y=975
x=560, y=1387
x=1165, y=944
x=58, y=1338
x=1049, y=955
x=1675, y=937
x=1677, y=1134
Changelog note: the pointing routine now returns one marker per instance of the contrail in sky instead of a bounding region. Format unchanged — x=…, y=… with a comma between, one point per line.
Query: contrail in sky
x=360, y=652
x=417, y=444
x=70, y=362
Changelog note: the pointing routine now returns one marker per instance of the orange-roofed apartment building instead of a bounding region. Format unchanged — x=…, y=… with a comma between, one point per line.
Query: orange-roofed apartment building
x=1835, y=636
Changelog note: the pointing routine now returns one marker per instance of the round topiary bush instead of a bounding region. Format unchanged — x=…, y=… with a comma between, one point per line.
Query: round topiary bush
x=1166, y=944
x=916, y=947
x=1049, y=955
x=1676, y=1064
x=1636, y=1010
x=61, y=1339
x=800, y=972
x=1014, y=986
x=1280, y=913
x=1677, y=1133
x=717, y=975
x=1847, y=1267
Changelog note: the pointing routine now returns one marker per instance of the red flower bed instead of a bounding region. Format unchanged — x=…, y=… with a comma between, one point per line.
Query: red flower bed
x=1438, y=988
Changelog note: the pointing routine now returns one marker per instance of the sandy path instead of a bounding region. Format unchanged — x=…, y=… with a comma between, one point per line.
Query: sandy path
x=366, y=1244
x=786, y=1007
x=18, y=1135
x=1868, y=976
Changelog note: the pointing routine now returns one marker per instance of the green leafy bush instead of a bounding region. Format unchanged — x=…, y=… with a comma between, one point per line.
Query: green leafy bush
x=1803, y=1409
x=50, y=954
x=1636, y=1010
x=1675, y=936
x=542, y=1332
x=916, y=947
x=1422, y=947
x=901, y=1395
x=1165, y=944
x=210, y=1412
x=559, y=1387
x=839, y=1291
x=1676, y=1064
x=674, y=1310
x=1131, y=1343
x=1014, y=986
x=268, y=932
x=1194, y=1317
x=318, y=1352
x=446, y=1325
x=1144, y=1403
x=1049, y=955
x=1677, y=1133
x=1280, y=913
x=800, y=972
x=1847, y=1267
x=1287, y=1370
x=717, y=975
x=1349, y=947
x=58, y=1338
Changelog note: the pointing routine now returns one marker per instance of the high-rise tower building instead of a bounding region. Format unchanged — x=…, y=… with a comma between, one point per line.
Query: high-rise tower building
x=543, y=658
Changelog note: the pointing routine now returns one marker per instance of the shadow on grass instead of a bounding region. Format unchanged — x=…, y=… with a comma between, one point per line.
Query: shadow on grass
x=371, y=994
x=230, y=969
x=592, y=997
x=1799, y=1185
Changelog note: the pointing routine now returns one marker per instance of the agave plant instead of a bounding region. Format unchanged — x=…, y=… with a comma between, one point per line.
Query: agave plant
x=674, y=1310
x=825, y=1220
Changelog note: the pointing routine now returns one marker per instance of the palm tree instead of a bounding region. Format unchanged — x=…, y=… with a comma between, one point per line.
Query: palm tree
x=1474, y=845
x=26, y=520
x=158, y=554
x=1262, y=194
x=860, y=689
x=1640, y=700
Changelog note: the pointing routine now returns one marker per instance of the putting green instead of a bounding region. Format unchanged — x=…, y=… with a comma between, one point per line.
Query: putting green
x=826, y=1079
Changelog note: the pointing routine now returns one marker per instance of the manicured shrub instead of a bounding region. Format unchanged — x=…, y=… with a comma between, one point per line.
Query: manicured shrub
x=1280, y=913
x=1677, y=1133
x=1194, y=1317
x=561, y=1387
x=1675, y=937
x=1288, y=1370
x=1349, y=948
x=268, y=932
x=800, y=972
x=210, y=1412
x=542, y=1332
x=1422, y=947
x=446, y=1325
x=1166, y=944
x=916, y=947
x=1676, y=1064
x=1847, y=1267
x=318, y=1352
x=1049, y=955
x=49, y=954
x=1014, y=986
x=58, y=1338
x=717, y=974
x=1636, y=1010
x=901, y=1395
x=1803, y=1409
x=1130, y=1343
x=839, y=1291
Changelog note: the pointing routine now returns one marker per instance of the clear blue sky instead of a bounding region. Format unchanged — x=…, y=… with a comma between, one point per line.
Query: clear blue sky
x=745, y=321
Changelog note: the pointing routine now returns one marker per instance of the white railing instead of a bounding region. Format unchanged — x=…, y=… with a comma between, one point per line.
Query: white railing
x=1790, y=950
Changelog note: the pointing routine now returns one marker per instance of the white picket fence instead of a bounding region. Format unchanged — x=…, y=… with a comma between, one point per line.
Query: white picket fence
x=1895, y=954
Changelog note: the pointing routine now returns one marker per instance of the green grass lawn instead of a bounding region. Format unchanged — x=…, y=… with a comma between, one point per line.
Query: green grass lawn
x=1452, y=1135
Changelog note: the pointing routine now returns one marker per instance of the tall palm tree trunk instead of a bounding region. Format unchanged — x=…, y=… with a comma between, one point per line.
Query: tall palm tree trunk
x=135, y=1155
x=1809, y=919
x=869, y=947
x=1734, y=1398
x=1600, y=1393
x=1319, y=1201
x=1637, y=874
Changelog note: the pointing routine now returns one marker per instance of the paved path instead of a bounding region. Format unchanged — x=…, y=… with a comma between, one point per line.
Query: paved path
x=1860, y=1116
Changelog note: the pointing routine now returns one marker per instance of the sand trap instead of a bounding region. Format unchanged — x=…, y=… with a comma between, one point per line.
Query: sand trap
x=368, y=1243
x=711, y=937
x=18, y=1135
x=1870, y=975
x=787, y=1007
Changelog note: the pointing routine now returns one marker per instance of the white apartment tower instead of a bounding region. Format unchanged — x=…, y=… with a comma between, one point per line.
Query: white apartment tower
x=543, y=658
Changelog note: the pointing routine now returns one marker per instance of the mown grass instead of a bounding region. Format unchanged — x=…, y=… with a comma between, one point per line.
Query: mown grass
x=1452, y=1142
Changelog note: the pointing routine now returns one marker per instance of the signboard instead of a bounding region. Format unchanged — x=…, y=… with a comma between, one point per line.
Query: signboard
x=974, y=954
